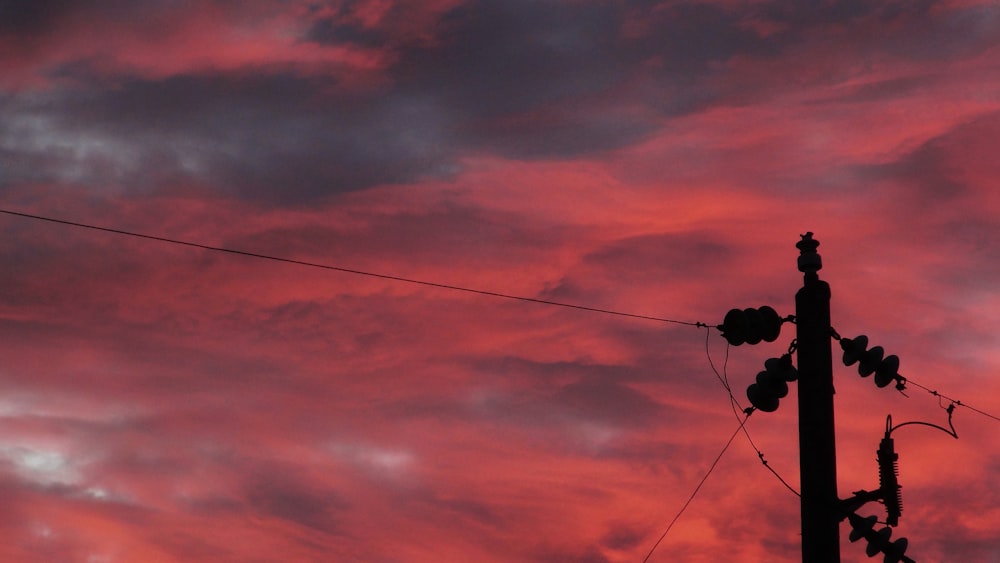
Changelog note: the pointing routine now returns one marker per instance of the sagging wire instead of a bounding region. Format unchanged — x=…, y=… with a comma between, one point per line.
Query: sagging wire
x=384, y=276
x=695, y=491
x=737, y=408
x=722, y=377
x=952, y=432
x=952, y=402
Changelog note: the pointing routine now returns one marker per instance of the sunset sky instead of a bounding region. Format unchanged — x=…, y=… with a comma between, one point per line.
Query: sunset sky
x=165, y=403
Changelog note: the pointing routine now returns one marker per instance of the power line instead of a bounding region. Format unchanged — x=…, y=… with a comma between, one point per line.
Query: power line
x=696, y=489
x=350, y=270
x=737, y=408
x=956, y=402
x=735, y=404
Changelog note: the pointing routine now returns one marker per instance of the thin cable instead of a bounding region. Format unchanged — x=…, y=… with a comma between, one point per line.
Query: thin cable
x=349, y=270
x=737, y=408
x=771, y=469
x=955, y=402
x=952, y=432
x=723, y=380
x=695, y=491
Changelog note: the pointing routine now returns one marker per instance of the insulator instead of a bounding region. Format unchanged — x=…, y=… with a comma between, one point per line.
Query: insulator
x=895, y=551
x=751, y=326
x=782, y=365
x=888, y=479
x=761, y=398
x=755, y=326
x=879, y=542
x=809, y=260
x=870, y=361
x=860, y=526
x=772, y=383
x=853, y=349
x=771, y=324
x=887, y=371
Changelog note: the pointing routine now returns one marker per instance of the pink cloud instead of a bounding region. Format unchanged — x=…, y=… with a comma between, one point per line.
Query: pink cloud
x=170, y=403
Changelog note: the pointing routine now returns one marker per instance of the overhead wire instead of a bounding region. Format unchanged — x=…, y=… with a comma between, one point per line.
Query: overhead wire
x=737, y=408
x=348, y=270
x=955, y=402
x=723, y=378
x=695, y=491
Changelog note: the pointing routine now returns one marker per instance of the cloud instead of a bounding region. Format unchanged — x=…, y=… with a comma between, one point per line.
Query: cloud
x=278, y=496
x=163, y=402
x=522, y=80
x=241, y=134
x=44, y=467
x=562, y=88
x=948, y=166
x=24, y=19
x=572, y=393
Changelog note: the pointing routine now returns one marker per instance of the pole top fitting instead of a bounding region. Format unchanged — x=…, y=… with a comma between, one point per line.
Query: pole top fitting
x=809, y=260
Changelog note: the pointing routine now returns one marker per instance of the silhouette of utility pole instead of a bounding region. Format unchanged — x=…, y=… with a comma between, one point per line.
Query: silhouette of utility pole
x=822, y=508
x=817, y=440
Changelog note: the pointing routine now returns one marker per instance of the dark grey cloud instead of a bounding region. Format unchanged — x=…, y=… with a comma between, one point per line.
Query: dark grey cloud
x=461, y=511
x=26, y=18
x=624, y=536
x=526, y=80
x=608, y=400
x=558, y=393
x=810, y=14
x=501, y=58
x=556, y=400
x=965, y=31
x=542, y=79
x=923, y=30
x=280, y=495
x=342, y=29
x=277, y=137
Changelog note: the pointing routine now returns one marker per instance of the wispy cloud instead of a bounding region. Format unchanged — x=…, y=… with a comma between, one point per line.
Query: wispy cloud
x=168, y=403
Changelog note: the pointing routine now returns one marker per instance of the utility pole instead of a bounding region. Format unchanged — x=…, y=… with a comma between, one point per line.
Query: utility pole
x=822, y=508
x=817, y=440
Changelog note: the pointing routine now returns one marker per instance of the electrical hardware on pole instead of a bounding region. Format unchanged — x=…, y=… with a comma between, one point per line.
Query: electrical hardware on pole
x=821, y=508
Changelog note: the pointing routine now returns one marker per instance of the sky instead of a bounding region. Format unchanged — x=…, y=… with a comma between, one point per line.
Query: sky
x=167, y=403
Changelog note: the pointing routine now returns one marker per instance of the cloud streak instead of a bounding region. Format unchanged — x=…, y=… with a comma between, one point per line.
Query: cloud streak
x=169, y=403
